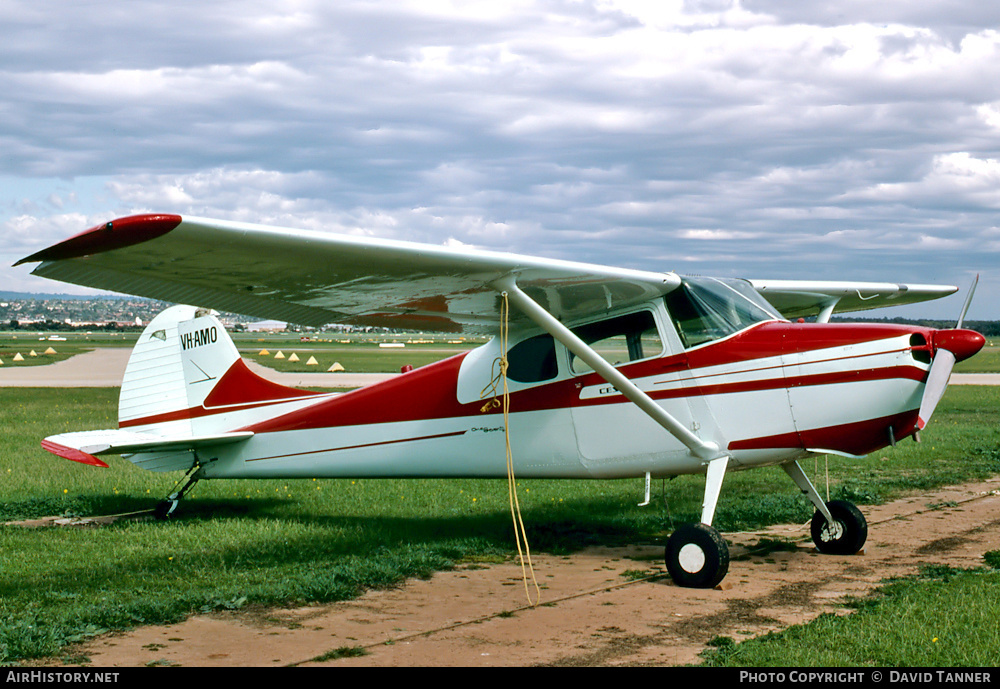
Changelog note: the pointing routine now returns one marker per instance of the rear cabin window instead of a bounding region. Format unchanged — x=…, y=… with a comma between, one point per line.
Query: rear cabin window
x=532, y=360
x=619, y=340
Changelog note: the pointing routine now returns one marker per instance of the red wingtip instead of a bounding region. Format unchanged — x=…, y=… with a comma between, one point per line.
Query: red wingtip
x=116, y=234
x=72, y=454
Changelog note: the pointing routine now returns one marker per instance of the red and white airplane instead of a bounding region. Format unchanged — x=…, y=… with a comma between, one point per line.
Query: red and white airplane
x=609, y=372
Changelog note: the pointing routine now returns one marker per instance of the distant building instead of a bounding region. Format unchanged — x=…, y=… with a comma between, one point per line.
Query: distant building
x=267, y=327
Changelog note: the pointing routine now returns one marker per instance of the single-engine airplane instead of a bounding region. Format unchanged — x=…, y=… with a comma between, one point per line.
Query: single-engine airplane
x=606, y=372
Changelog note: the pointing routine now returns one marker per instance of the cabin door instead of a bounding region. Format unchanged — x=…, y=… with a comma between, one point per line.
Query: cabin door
x=614, y=436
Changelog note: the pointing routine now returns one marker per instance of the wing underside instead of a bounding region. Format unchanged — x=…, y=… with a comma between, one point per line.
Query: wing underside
x=314, y=278
x=805, y=298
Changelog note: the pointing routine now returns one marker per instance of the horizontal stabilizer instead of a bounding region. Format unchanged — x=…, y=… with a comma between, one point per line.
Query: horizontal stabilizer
x=71, y=453
x=86, y=446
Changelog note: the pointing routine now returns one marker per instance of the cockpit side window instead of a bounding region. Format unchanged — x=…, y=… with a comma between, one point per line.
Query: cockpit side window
x=707, y=309
x=620, y=340
x=532, y=360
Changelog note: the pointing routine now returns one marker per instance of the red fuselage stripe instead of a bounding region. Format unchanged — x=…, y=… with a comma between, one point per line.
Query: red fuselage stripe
x=833, y=378
x=428, y=393
x=522, y=402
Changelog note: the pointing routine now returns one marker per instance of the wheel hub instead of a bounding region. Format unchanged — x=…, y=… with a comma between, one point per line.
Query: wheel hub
x=833, y=532
x=691, y=558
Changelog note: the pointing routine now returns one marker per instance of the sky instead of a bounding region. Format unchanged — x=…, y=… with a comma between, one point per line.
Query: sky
x=844, y=140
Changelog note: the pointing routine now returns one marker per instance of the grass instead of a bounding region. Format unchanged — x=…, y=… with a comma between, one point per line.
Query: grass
x=356, y=353
x=342, y=652
x=354, y=358
x=33, y=346
x=941, y=618
x=986, y=361
x=262, y=543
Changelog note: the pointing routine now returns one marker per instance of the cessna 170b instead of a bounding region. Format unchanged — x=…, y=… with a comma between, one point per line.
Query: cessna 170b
x=606, y=372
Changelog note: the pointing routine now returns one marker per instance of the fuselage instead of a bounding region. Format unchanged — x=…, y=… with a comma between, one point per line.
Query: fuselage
x=768, y=394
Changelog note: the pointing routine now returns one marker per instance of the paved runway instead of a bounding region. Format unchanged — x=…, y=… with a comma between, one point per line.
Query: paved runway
x=975, y=379
x=104, y=368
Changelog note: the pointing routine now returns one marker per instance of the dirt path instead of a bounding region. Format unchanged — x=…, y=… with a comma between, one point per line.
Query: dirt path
x=592, y=612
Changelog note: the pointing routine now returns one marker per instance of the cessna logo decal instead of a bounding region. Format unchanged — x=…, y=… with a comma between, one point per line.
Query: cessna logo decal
x=199, y=338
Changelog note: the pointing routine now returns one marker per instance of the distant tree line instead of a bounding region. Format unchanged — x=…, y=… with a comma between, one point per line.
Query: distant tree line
x=60, y=326
x=987, y=328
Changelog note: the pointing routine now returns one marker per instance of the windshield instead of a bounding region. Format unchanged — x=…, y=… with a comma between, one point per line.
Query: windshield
x=706, y=309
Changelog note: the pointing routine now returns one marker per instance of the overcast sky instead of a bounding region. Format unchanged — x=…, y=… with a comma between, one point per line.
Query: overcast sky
x=852, y=140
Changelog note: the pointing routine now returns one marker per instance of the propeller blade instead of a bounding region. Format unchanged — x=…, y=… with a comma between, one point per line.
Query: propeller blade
x=937, y=383
x=968, y=300
x=950, y=346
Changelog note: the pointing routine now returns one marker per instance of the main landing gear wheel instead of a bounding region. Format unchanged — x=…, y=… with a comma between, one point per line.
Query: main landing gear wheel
x=847, y=534
x=697, y=556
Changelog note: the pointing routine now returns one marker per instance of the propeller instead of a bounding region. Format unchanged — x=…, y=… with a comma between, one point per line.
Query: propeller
x=950, y=346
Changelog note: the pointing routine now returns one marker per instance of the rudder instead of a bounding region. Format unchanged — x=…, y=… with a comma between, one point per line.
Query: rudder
x=179, y=358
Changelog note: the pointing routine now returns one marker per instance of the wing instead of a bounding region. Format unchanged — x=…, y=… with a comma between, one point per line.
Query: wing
x=802, y=298
x=314, y=278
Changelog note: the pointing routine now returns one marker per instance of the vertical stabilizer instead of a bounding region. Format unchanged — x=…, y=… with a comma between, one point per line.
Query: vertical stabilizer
x=178, y=360
x=186, y=379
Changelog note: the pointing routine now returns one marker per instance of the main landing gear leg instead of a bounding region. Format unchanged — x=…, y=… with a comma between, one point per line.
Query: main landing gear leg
x=166, y=507
x=696, y=554
x=838, y=527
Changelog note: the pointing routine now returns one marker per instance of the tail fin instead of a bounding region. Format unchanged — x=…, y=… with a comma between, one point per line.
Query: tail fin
x=185, y=372
x=185, y=388
x=175, y=364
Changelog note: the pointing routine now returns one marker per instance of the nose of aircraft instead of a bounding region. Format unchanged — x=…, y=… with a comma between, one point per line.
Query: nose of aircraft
x=949, y=346
x=961, y=343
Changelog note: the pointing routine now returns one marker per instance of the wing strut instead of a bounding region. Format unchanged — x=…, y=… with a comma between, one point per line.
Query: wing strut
x=795, y=472
x=698, y=447
x=826, y=310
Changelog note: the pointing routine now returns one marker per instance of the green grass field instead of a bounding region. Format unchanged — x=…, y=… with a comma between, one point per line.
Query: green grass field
x=941, y=618
x=986, y=361
x=242, y=543
x=356, y=353
x=353, y=358
x=33, y=348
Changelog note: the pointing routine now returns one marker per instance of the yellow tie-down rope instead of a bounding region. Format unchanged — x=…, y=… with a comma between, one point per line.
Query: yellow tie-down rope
x=500, y=380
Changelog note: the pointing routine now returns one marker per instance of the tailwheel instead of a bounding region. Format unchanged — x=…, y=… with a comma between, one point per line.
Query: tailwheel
x=846, y=535
x=164, y=509
x=697, y=556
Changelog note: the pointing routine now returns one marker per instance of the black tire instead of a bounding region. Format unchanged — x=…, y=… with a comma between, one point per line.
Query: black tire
x=849, y=533
x=697, y=556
